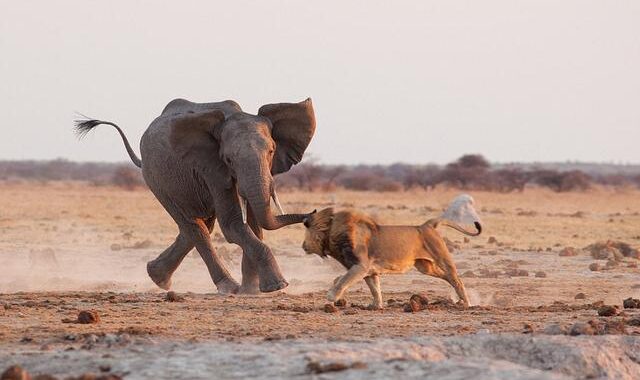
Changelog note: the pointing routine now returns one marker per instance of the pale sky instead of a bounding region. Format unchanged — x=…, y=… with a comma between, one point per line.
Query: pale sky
x=391, y=81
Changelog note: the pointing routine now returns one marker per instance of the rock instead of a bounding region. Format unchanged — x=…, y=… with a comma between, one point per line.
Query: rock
x=594, y=267
x=88, y=316
x=608, y=311
x=143, y=244
x=581, y=328
x=91, y=376
x=301, y=309
x=568, y=251
x=611, y=264
x=634, y=322
x=492, y=240
x=580, y=296
x=487, y=273
x=330, y=308
x=420, y=299
x=15, y=372
x=350, y=312
x=116, y=247
x=527, y=328
x=555, y=329
x=541, y=274
x=610, y=249
x=517, y=273
x=44, y=377
x=172, y=296
x=315, y=367
x=341, y=302
x=631, y=303
x=412, y=306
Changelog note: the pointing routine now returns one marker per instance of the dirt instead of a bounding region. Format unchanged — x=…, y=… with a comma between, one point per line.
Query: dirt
x=56, y=252
x=172, y=296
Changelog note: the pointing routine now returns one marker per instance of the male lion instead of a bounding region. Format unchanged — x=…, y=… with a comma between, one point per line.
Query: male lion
x=368, y=249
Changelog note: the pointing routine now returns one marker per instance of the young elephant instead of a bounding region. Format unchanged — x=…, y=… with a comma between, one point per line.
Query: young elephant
x=368, y=250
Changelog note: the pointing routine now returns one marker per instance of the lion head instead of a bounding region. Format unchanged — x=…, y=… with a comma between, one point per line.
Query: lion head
x=316, y=237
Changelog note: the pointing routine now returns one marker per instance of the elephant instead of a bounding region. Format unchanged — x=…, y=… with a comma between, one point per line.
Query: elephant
x=208, y=161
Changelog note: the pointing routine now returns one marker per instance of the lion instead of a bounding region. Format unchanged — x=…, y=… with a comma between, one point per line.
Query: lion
x=368, y=249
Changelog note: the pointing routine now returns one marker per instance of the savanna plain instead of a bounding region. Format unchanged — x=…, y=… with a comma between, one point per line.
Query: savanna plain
x=547, y=280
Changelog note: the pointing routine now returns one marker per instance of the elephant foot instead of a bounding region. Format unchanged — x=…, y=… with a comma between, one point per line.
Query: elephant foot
x=250, y=281
x=227, y=286
x=159, y=276
x=273, y=286
x=249, y=289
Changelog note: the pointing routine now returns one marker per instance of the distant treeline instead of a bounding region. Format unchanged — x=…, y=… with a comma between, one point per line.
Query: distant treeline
x=469, y=172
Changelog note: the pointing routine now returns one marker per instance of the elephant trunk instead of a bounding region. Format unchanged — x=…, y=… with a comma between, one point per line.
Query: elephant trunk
x=259, y=197
x=260, y=203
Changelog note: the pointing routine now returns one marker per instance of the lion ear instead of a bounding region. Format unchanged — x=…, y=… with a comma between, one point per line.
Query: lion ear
x=306, y=220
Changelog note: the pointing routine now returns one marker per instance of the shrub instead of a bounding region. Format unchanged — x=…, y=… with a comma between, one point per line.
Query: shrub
x=562, y=181
x=127, y=178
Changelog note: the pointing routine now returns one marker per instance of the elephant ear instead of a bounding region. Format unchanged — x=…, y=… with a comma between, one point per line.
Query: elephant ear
x=293, y=127
x=194, y=138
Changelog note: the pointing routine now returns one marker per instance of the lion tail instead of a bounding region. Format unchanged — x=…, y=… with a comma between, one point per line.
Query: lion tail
x=436, y=222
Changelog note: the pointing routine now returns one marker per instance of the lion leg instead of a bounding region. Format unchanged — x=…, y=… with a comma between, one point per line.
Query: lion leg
x=445, y=272
x=457, y=284
x=373, y=282
x=355, y=273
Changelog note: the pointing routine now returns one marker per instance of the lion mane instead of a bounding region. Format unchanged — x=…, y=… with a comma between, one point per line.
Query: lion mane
x=337, y=234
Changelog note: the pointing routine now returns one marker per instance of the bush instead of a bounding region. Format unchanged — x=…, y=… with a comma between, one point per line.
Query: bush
x=562, y=181
x=127, y=178
x=469, y=172
x=370, y=182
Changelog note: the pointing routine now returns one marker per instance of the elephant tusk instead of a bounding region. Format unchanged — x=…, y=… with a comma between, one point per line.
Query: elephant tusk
x=277, y=202
x=243, y=208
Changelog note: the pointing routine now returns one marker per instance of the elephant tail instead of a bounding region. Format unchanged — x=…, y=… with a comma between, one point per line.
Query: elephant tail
x=84, y=126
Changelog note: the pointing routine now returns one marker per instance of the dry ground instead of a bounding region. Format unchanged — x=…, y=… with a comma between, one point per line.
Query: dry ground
x=66, y=247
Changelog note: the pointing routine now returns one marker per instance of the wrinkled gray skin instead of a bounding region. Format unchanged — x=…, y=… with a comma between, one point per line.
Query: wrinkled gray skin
x=198, y=159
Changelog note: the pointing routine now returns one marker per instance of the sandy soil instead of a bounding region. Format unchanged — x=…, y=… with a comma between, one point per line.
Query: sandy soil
x=66, y=247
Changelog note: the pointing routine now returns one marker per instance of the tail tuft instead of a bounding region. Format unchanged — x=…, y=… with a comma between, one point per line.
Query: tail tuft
x=84, y=125
x=478, y=227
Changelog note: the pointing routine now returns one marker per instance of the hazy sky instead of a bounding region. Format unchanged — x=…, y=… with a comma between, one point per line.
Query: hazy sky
x=392, y=81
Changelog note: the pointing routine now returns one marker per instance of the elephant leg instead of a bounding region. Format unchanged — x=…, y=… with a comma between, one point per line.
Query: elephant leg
x=162, y=267
x=264, y=263
x=250, y=278
x=198, y=232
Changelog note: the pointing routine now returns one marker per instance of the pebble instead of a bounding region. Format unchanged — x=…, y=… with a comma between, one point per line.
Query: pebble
x=608, y=311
